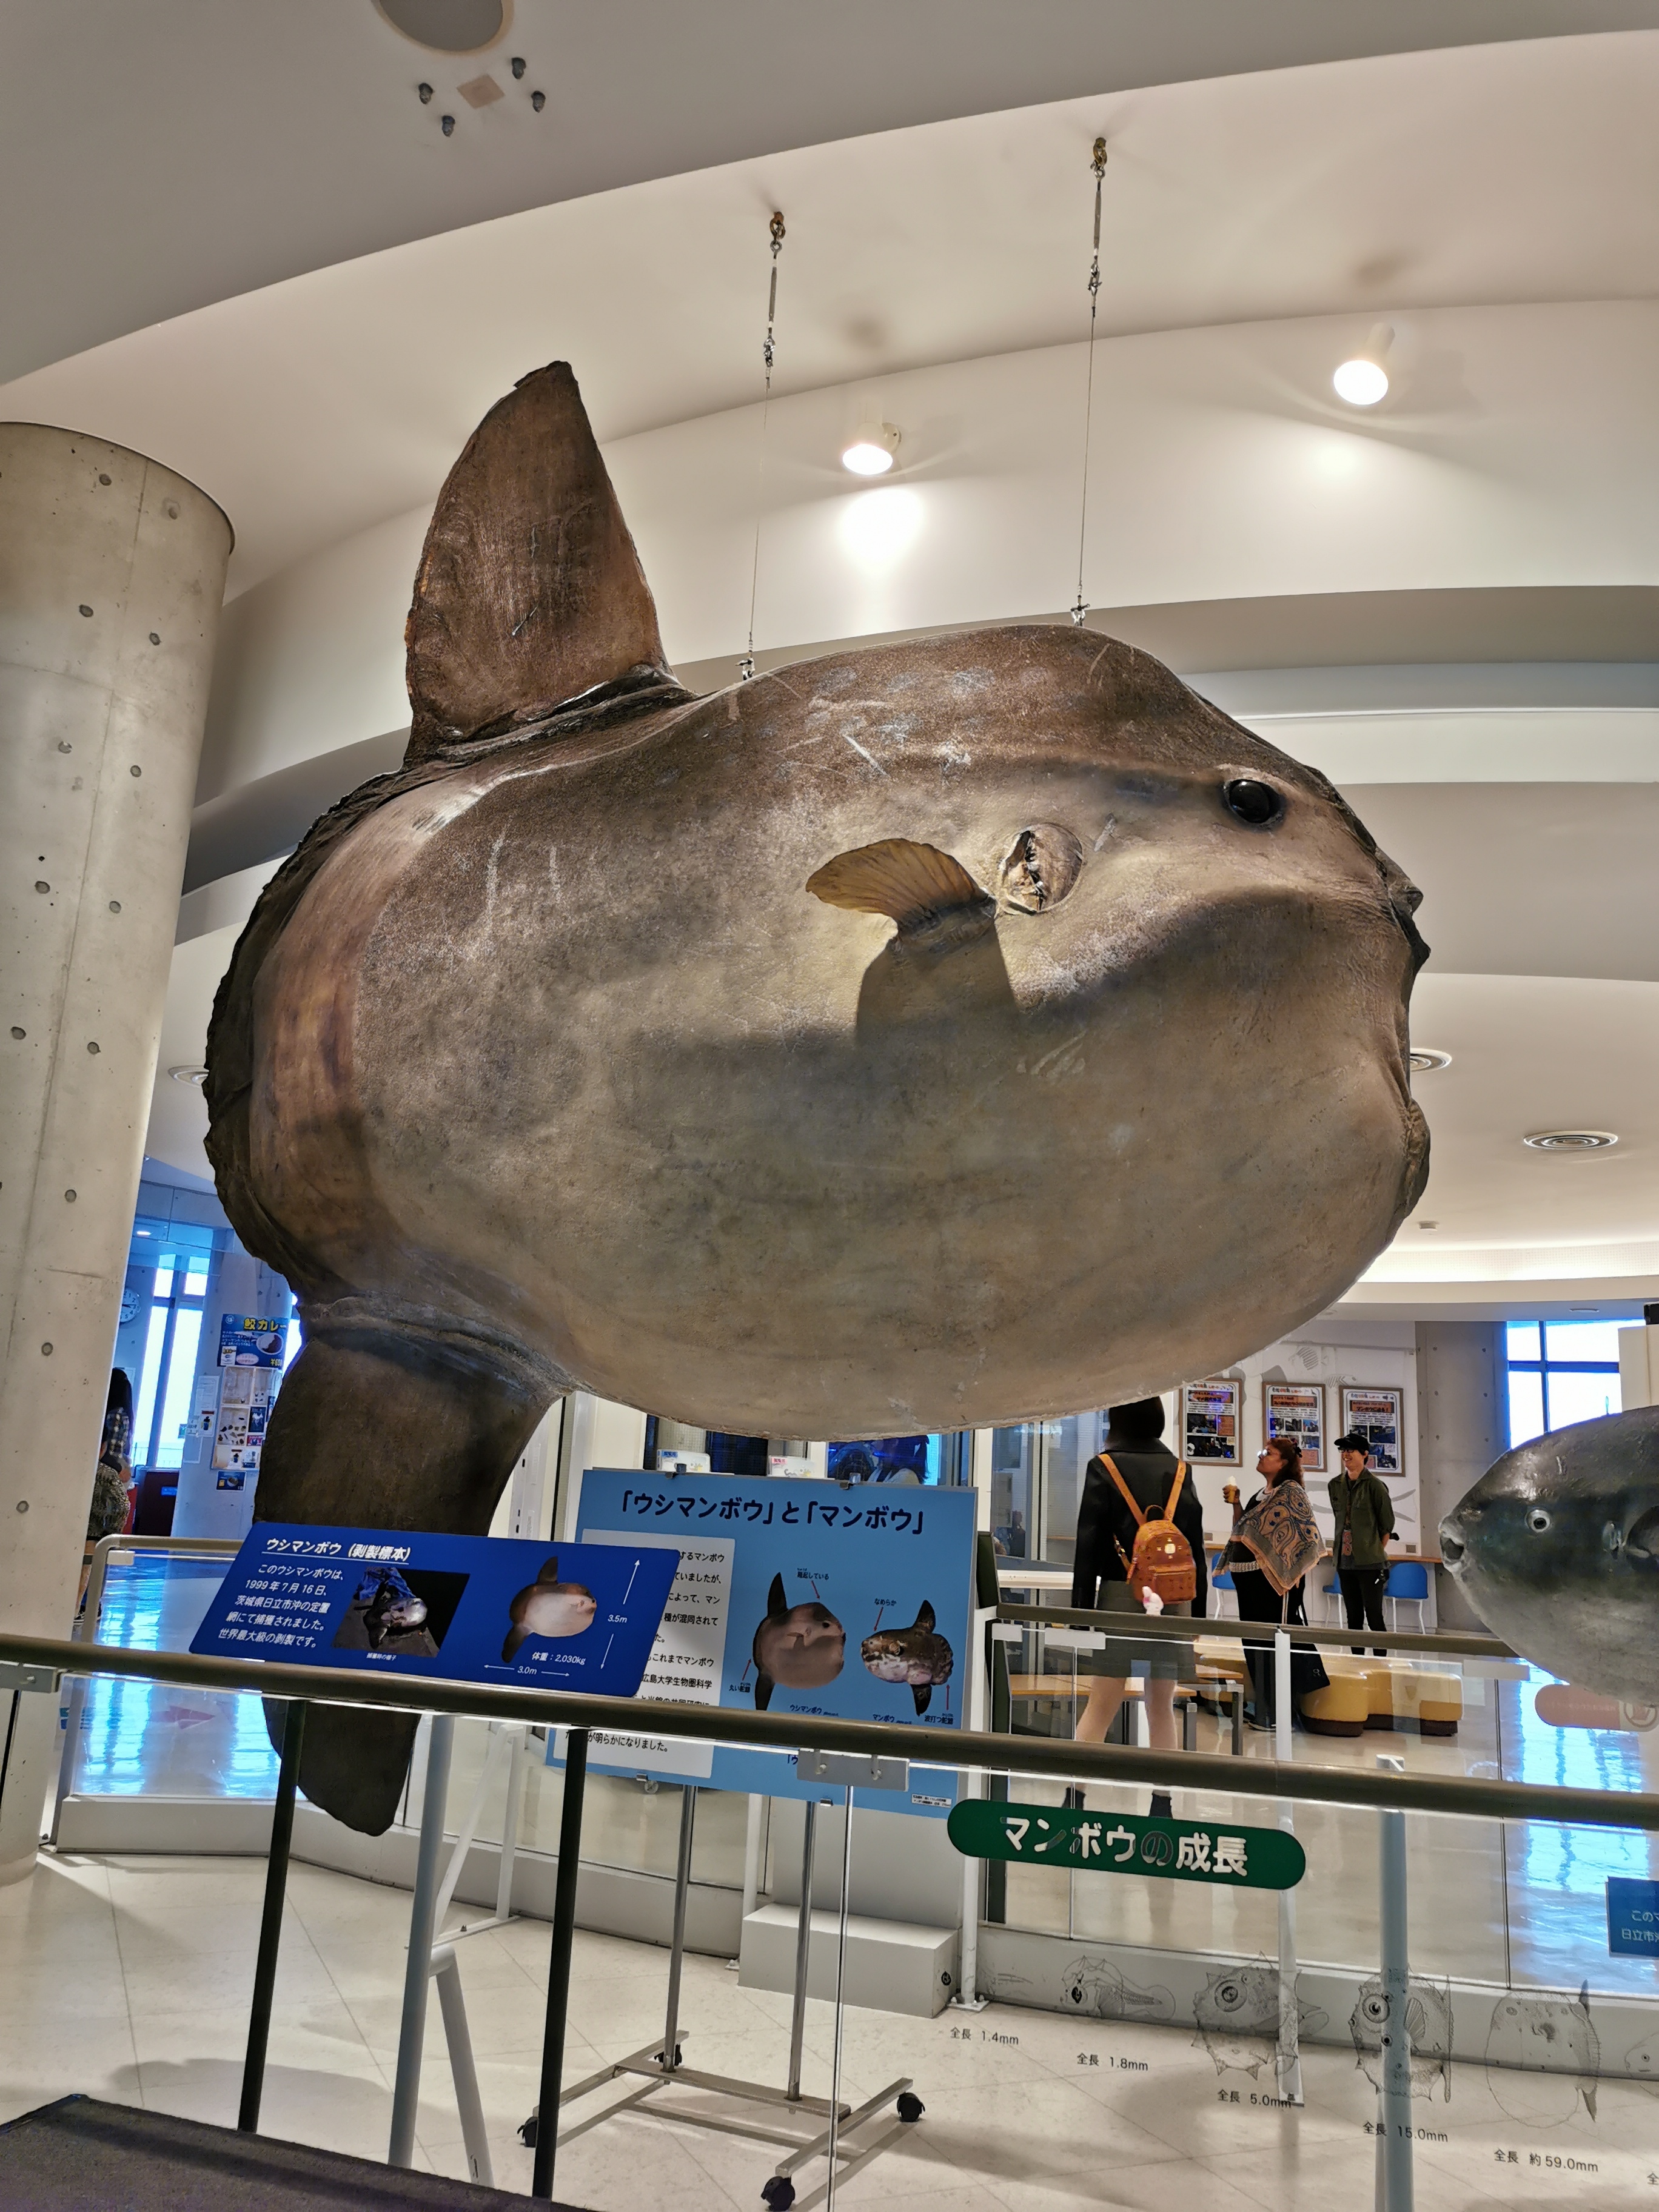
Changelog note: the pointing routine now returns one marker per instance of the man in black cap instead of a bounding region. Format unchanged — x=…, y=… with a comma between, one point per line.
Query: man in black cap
x=1107, y=1527
x=1364, y=1528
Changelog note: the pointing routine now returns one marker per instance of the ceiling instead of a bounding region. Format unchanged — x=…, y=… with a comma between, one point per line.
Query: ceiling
x=186, y=151
x=319, y=405
x=289, y=286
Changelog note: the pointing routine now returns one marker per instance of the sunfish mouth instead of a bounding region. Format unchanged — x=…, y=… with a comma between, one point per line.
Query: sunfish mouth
x=1451, y=1546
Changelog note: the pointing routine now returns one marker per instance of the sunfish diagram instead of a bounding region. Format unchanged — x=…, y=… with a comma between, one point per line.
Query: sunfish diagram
x=794, y=1597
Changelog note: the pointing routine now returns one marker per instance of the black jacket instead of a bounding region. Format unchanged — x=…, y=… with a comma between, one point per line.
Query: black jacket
x=1105, y=1523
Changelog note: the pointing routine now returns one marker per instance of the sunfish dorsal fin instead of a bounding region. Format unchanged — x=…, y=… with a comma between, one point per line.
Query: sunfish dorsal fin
x=529, y=590
x=913, y=882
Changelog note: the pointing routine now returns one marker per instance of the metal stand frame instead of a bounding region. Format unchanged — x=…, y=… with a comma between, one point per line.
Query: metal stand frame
x=432, y=1901
x=661, y=2064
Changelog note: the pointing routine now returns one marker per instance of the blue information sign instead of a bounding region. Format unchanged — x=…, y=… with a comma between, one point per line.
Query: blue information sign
x=796, y=1597
x=463, y=1608
x=1632, y=1916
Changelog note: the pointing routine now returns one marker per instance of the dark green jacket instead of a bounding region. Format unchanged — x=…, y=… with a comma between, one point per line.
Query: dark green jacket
x=1365, y=1507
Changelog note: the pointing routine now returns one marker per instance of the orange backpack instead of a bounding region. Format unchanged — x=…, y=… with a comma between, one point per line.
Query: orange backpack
x=1163, y=1559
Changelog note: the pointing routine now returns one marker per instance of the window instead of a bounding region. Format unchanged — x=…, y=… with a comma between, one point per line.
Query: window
x=168, y=1374
x=1560, y=1372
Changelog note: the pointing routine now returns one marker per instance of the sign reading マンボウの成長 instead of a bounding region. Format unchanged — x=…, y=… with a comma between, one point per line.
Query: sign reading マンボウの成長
x=796, y=1597
x=462, y=1608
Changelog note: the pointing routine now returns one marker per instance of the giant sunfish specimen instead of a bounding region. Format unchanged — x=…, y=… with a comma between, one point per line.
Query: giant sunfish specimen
x=935, y=1036
x=1557, y=1548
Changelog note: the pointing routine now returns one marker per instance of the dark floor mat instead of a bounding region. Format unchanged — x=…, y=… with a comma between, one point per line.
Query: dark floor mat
x=81, y=2153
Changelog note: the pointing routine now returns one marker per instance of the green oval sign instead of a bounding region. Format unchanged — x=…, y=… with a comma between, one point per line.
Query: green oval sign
x=1122, y=1843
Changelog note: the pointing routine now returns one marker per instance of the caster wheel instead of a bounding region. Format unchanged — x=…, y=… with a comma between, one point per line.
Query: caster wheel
x=779, y=2192
x=910, y=2107
x=527, y=2132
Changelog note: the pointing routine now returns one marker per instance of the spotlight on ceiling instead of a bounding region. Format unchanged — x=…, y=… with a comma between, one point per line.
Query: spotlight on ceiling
x=1362, y=379
x=195, y=1075
x=1422, y=1058
x=869, y=452
x=1571, y=1140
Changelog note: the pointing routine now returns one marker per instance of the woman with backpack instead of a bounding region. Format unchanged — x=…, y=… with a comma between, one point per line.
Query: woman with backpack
x=1139, y=1530
x=1272, y=1536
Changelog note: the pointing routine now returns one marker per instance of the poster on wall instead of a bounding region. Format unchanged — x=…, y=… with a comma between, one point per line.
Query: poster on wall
x=1298, y=1410
x=250, y=1341
x=1210, y=1423
x=1379, y=1415
x=794, y=1597
x=245, y=1395
x=464, y=1608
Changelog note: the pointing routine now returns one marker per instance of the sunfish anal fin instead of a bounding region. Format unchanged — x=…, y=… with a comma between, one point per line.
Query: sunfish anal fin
x=917, y=884
x=530, y=591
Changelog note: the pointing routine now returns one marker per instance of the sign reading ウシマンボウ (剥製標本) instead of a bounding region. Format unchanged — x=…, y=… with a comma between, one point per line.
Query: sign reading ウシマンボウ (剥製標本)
x=1122, y=1843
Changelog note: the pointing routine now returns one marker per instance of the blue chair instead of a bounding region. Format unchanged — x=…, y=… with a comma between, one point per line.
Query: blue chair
x=1408, y=1584
x=1331, y=1591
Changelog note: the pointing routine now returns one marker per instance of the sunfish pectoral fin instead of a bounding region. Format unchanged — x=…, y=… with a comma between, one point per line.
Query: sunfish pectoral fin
x=916, y=885
x=923, y=1694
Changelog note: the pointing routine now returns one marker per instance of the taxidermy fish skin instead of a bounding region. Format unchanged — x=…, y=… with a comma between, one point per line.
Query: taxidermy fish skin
x=1557, y=1549
x=585, y=1051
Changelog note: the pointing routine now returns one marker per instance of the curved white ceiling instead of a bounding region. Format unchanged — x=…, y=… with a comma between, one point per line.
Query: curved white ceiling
x=1498, y=203
x=156, y=158
x=1518, y=174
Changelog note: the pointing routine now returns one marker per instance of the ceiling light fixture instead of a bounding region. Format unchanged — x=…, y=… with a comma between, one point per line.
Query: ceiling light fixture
x=1428, y=1225
x=1362, y=379
x=1571, y=1140
x=196, y=1075
x=1422, y=1058
x=870, y=451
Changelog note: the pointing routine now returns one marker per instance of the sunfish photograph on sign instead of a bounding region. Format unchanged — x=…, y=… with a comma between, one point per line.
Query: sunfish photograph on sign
x=795, y=1597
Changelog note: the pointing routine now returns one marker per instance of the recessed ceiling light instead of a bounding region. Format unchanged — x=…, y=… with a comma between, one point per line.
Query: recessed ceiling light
x=1422, y=1058
x=1428, y=1225
x=1571, y=1140
x=869, y=452
x=198, y=1076
x=1361, y=379
x=448, y=27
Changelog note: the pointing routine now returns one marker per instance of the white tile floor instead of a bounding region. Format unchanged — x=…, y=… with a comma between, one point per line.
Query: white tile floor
x=128, y=1977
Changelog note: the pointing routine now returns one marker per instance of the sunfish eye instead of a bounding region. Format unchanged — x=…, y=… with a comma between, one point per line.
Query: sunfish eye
x=1538, y=1519
x=1043, y=863
x=1258, y=804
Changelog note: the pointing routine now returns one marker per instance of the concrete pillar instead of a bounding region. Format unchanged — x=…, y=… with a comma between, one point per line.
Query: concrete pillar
x=111, y=575
x=1463, y=1426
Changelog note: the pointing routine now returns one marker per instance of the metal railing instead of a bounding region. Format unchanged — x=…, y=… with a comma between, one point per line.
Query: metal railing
x=1455, y=1644
x=1462, y=1797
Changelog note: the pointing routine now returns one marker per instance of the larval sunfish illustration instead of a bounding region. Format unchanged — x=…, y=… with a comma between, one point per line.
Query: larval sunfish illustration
x=1543, y=2054
x=539, y=1065
x=1428, y=2023
x=800, y=1646
x=1237, y=2016
x=1557, y=1549
x=917, y=1656
x=547, y=1607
